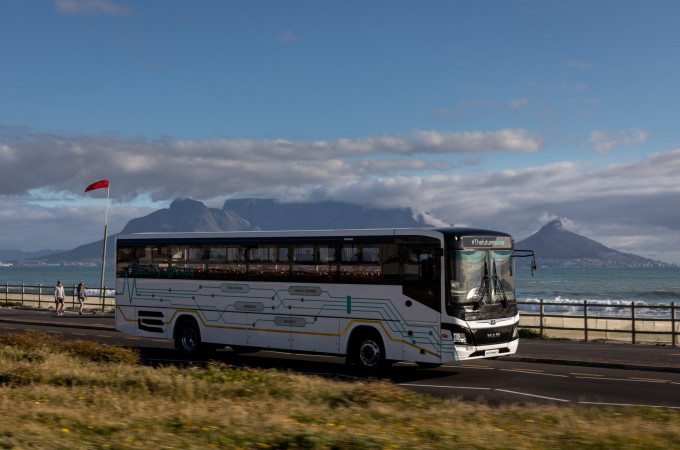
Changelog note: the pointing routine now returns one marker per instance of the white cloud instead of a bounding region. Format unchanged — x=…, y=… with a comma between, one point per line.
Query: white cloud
x=92, y=7
x=288, y=37
x=519, y=103
x=509, y=140
x=204, y=169
x=442, y=112
x=581, y=65
x=382, y=171
x=605, y=140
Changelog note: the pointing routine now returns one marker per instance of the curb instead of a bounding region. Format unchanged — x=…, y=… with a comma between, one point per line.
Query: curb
x=60, y=325
x=603, y=365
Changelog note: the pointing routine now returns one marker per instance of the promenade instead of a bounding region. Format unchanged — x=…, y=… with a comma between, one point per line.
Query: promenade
x=663, y=358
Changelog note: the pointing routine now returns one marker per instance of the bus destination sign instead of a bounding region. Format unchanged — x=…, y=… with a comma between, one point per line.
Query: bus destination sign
x=487, y=242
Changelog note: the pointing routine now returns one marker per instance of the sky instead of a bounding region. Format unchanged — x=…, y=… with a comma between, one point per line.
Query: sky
x=493, y=114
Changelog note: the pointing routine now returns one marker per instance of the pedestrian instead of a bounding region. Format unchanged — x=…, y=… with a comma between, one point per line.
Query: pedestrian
x=59, y=298
x=82, y=296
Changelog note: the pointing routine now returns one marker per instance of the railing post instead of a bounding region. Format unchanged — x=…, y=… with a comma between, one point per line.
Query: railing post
x=6, y=291
x=585, y=320
x=632, y=307
x=22, y=294
x=39, y=295
x=103, y=296
x=541, y=312
x=673, y=323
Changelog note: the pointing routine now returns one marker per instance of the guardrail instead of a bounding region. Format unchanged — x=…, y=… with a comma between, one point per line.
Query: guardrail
x=604, y=321
x=43, y=296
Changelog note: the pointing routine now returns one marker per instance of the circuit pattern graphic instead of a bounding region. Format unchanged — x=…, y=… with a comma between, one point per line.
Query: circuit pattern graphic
x=284, y=308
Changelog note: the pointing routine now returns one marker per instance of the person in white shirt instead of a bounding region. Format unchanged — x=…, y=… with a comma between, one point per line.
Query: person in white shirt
x=59, y=298
x=82, y=296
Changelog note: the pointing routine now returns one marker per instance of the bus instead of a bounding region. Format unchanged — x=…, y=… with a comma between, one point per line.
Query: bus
x=374, y=296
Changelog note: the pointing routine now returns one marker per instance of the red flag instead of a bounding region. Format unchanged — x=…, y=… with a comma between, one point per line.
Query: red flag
x=98, y=185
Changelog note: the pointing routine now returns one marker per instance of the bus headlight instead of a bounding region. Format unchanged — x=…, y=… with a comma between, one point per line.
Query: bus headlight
x=459, y=334
x=459, y=338
x=515, y=332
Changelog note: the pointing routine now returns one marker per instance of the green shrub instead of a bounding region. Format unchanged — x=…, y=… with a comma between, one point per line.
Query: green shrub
x=526, y=333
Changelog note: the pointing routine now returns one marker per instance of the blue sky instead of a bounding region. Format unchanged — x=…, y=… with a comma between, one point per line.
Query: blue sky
x=502, y=114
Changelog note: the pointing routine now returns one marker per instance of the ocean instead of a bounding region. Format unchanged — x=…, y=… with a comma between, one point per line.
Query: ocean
x=612, y=286
x=49, y=275
x=564, y=286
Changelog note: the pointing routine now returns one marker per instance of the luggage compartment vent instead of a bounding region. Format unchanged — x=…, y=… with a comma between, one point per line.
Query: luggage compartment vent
x=151, y=321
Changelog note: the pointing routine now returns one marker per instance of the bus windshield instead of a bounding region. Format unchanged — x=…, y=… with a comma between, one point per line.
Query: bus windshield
x=480, y=277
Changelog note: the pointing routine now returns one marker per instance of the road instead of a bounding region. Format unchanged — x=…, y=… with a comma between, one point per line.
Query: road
x=552, y=372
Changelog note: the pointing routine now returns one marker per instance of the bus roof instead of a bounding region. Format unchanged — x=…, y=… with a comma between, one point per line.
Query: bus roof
x=437, y=233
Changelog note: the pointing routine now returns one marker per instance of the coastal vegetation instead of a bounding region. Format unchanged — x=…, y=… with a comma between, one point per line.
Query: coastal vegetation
x=79, y=394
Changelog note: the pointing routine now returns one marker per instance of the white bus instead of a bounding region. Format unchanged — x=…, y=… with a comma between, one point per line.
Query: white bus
x=374, y=296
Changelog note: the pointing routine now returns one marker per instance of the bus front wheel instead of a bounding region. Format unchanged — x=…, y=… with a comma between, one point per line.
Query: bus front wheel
x=367, y=351
x=188, y=337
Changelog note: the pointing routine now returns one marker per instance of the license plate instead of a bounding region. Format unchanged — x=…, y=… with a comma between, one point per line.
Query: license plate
x=490, y=353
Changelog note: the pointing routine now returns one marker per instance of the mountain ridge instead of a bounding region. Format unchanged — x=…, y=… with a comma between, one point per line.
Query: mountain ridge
x=187, y=215
x=553, y=244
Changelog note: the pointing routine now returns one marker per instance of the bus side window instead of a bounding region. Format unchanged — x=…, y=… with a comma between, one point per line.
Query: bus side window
x=421, y=275
x=235, y=267
x=391, y=264
x=360, y=264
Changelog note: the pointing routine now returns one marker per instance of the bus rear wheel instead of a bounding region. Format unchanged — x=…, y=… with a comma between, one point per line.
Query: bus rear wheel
x=368, y=352
x=188, y=337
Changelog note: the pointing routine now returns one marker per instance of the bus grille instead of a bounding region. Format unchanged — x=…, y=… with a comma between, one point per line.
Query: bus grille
x=487, y=336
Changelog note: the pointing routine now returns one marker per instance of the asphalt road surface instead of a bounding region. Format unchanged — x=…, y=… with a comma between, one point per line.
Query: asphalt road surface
x=554, y=372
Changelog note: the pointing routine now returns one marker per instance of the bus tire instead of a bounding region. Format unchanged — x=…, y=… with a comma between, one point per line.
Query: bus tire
x=188, y=337
x=367, y=351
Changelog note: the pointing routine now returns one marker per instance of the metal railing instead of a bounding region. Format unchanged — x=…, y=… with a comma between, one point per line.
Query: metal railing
x=596, y=319
x=43, y=296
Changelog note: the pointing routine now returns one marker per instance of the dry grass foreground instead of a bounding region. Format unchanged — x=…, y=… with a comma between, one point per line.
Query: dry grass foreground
x=78, y=394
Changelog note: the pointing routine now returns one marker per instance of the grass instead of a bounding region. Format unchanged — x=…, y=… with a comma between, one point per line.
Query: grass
x=8, y=304
x=528, y=333
x=77, y=394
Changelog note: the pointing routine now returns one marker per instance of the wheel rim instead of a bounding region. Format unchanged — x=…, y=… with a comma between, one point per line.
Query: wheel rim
x=369, y=354
x=189, y=339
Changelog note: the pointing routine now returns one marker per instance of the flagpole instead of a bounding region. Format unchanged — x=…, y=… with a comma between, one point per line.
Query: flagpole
x=106, y=226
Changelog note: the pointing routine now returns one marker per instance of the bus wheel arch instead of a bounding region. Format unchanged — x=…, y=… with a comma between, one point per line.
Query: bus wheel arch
x=366, y=349
x=187, y=335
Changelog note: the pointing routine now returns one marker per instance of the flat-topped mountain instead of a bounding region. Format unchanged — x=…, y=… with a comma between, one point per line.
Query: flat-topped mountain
x=188, y=215
x=250, y=214
x=269, y=214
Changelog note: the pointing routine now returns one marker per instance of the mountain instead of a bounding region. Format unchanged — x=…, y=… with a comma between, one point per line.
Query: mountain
x=269, y=214
x=182, y=215
x=16, y=255
x=553, y=244
x=188, y=215
x=248, y=214
x=557, y=247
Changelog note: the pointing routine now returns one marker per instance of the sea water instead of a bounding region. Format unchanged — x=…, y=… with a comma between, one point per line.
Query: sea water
x=610, y=286
x=48, y=276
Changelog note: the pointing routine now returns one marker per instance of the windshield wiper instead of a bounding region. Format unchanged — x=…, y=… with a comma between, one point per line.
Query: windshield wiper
x=498, y=286
x=483, y=289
